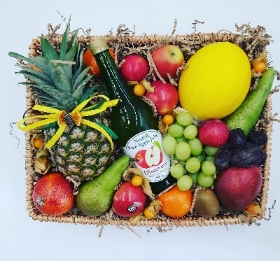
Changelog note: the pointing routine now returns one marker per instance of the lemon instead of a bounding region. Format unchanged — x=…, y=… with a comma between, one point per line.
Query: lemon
x=215, y=81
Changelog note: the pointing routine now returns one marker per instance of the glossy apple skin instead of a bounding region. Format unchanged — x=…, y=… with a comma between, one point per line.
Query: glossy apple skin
x=134, y=67
x=236, y=187
x=213, y=133
x=129, y=200
x=165, y=96
x=168, y=59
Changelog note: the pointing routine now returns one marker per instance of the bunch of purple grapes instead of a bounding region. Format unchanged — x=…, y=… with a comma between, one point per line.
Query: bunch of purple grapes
x=242, y=150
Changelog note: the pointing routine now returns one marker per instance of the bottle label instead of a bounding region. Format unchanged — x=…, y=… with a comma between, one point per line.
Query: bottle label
x=146, y=149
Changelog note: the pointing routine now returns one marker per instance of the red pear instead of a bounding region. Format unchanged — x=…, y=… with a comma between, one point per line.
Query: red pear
x=237, y=187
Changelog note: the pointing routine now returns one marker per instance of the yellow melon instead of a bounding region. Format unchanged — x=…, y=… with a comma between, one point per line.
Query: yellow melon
x=215, y=81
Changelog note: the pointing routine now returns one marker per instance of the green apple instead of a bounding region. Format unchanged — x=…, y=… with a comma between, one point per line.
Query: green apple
x=168, y=59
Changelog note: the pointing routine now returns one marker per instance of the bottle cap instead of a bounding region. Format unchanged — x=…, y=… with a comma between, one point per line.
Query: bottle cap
x=98, y=45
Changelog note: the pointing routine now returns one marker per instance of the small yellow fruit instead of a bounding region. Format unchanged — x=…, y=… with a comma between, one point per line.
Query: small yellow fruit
x=167, y=119
x=215, y=81
x=137, y=180
x=259, y=67
x=38, y=143
x=148, y=213
x=139, y=90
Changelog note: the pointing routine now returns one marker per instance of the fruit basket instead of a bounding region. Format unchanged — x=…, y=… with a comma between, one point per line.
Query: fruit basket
x=253, y=41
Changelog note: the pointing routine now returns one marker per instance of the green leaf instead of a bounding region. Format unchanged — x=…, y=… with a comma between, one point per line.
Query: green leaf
x=20, y=57
x=51, y=125
x=43, y=64
x=49, y=102
x=68, y=70
x=80, y=78
x=71, y=53
x=78, y=92
x=69, y=104
x=63, y=46
x=87, y=94
x=74, y=38
x=70, y=57
x=54, y=93
x=48, y=51
x=156, y=143
x=107, y=129
x=34, y=78
x=61, y=79
x=79, y=61
x=76, y=74
x=27, y=72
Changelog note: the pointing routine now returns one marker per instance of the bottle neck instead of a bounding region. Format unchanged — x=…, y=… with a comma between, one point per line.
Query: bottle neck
x=115, y=84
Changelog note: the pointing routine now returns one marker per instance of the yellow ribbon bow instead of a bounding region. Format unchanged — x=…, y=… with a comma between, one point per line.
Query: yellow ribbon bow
x=58, y=115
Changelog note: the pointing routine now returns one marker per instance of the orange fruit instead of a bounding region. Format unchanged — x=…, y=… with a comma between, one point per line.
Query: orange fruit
x=139, y=90
x=137, y=180
x=148, y=213
x=90, y=61
x=167, y=119
x=176, y=203
x=259, y=67
x=53, y=194
x=38, y=143
x=253, y=209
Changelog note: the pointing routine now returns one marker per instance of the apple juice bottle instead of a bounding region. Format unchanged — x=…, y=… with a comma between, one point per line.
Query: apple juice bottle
x=133, y=121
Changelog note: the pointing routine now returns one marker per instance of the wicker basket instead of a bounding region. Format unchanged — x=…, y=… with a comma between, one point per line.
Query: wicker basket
x=252, y=40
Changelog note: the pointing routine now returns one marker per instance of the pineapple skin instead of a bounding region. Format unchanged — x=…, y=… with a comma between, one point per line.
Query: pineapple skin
x=82, y=152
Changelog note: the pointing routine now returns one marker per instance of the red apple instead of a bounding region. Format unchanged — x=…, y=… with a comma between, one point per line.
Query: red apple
x=165, y=96
x=237, y=187
x=213, y=133
x=129, y=200
x=134, y=67
x=140, y=159
x=168, y=59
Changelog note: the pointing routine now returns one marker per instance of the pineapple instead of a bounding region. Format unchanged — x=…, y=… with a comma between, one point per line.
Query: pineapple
x=58, y=80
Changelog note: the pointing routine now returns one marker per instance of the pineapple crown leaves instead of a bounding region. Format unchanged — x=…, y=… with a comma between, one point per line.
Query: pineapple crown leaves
x=61, y=79
x=60, y=83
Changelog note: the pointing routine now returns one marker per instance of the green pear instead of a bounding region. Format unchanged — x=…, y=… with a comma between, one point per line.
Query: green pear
x=95, y=197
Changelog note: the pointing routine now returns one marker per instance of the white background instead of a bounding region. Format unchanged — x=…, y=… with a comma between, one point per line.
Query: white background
x=21, y=238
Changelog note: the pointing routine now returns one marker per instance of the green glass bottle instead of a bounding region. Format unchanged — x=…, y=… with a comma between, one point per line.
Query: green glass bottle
x=133, y=121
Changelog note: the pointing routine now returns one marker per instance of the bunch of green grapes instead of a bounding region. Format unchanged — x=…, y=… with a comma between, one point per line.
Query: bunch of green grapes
x=192, y=162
